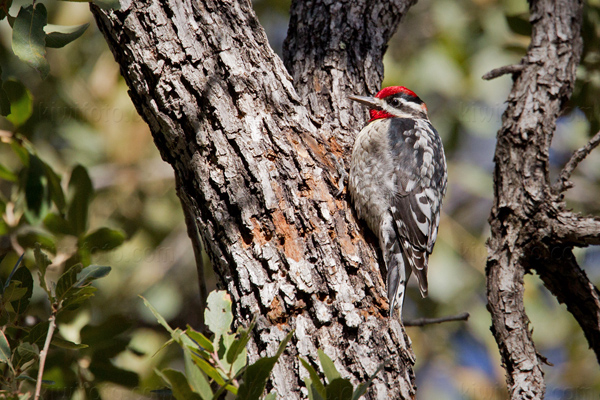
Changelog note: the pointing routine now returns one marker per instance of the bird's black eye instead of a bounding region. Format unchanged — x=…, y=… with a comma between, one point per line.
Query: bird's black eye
x=395, y=102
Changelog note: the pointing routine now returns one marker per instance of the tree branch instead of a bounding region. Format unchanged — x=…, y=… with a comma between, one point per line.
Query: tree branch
x=571, y=286
x=429, y=321
x=507, y=69
x=572, y=229
x=44, y=355
x=564, y=182
x=540, y=90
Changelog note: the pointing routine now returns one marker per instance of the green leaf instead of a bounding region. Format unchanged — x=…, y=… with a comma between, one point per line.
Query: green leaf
x=57, y=39
x=77, y=298
x=228, y=386
x=14, y=292
x=5, y=173
x=23, y=275
x=331, y=372
x=58, y=225
x=31, y=238
x=313, y=394
x=159, y=317
x=93, y=272
x=5, y=353
x=25, y=378
x=19, y=147
x=256, y=375
x=208, y=369
x=29, y=38
x=230, y=369
x=271, y=396
x=225, y=343
x=164, y=346
x=314, y=377
x=196, y=378
x=239, y=344
x=56, y=191
x=103, y=239
x=339, y=389
x=66, y=282
x=37, y=195
x=42, y=261
x=200, y=339
x=81, y=192
x=21, y=102
x=67, y=344
x=13, y=271
x=37, y=334
x=362, y=388
x=240, y=361
x=218, y=315
x=179, y=385
x=25, y=353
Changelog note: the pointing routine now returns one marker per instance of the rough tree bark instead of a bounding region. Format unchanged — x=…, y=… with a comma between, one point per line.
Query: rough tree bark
x=257, y=159
x=531, y=228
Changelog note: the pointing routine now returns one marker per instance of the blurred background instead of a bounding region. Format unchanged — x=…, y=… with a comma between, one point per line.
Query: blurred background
x=81, y=114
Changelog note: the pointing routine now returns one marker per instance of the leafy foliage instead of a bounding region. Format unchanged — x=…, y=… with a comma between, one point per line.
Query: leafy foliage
x=30, y=39
x=219, y=361
x=22, y=352
x=30, y=351
x=337, y=387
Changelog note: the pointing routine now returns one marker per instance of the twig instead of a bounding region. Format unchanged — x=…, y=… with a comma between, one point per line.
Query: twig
x=43, y=354
x=429, y=321
x=563, y=180
x=507, y=69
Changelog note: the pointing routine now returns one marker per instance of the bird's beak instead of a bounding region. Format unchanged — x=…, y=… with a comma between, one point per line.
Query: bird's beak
x=371, y=102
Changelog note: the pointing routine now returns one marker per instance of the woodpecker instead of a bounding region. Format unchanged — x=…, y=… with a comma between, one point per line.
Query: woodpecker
x=397, y=180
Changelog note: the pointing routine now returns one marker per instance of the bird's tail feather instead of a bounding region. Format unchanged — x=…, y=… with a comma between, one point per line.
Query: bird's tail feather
x=398, y=272
x=418, y=261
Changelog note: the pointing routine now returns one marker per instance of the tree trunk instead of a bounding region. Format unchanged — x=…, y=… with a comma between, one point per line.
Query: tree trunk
x=531, y=228
x=257, y=160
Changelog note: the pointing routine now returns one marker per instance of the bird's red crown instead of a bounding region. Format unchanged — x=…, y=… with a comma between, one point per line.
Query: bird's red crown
x=390, y=91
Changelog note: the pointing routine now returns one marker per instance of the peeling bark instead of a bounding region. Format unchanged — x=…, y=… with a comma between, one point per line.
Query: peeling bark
x=530, y=226
x=256, y=166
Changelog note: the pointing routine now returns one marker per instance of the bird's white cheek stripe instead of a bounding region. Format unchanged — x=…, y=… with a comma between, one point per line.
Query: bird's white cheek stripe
x=386, y=107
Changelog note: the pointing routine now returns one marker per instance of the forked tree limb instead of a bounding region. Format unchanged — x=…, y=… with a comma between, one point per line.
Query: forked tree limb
x=523, y=198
